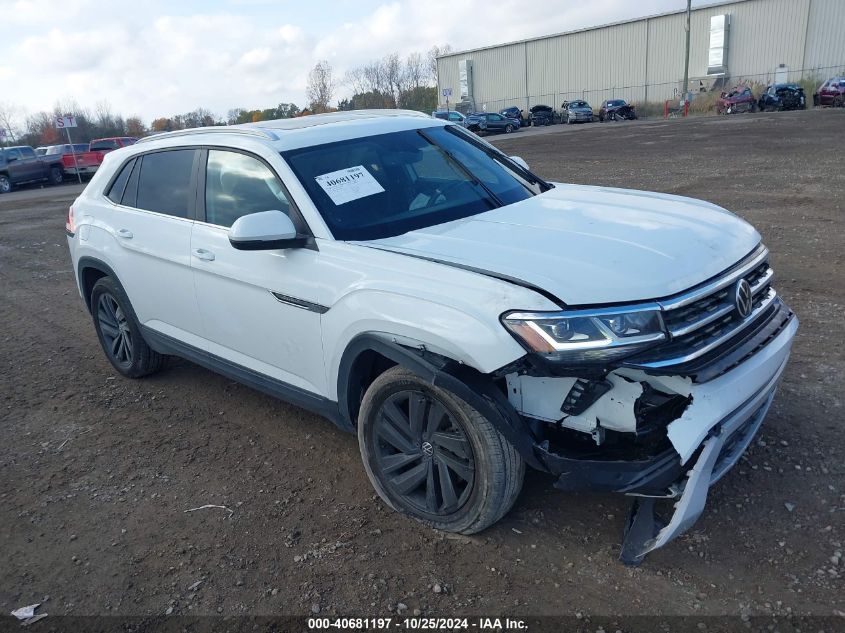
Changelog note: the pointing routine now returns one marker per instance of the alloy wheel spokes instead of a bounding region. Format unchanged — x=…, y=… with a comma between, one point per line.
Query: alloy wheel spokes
x=423, y=453
x=115, y=329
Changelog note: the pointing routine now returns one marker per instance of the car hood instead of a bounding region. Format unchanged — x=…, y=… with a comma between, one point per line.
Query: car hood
x=591, y=245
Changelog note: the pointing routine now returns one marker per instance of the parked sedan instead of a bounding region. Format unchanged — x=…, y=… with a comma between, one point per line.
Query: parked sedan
x=782, y=97
x=541, y=115
x=485, y=122
x=740, y=99
x=514, y=113
x=576, y=111
x=616, y=110
x=831, y=93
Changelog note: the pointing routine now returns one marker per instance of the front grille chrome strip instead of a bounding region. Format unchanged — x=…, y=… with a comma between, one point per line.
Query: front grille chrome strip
x=713, y=344
x=723, y=310
x=757, y=258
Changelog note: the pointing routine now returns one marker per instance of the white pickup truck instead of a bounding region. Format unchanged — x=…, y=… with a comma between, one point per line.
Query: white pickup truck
x=463, y=316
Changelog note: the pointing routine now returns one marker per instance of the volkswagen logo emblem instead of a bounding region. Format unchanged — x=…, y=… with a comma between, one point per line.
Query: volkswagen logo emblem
x=743, y=298
x=428, y=449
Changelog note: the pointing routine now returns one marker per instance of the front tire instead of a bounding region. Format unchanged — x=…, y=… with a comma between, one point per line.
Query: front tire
x=433, y=457
x=508, y=128
x=119, y=333
x=5, y=184
x=56, y=176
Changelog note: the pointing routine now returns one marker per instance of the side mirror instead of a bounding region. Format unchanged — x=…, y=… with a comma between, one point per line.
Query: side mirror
x=267, y=230
x=519, y=161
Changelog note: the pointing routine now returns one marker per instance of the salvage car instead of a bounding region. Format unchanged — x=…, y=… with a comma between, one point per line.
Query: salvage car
x=740, y=99
x=406, y=280
x=453, y=116
x=616, y=110
x=782, y=97
x=514, y=113
x=831, y=93
x=486, y=122
x=20, y=165
x=576, y=111
x=541, y=115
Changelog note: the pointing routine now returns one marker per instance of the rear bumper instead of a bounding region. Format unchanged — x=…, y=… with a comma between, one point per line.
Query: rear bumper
x=82, y=170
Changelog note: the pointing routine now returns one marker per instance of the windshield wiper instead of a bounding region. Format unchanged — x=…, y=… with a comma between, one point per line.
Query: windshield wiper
x=464, y=169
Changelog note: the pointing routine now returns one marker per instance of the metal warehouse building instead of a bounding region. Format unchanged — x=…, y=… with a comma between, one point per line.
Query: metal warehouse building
x=643, y=60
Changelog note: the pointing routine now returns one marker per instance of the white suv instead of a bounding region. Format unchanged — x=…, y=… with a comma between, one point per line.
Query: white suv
x=413, y=284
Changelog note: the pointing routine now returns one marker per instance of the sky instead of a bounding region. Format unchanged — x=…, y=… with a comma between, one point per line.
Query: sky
x=152, y=58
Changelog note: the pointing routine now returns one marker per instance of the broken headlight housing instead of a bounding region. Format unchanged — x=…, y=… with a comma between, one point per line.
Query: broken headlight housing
x=577, y=336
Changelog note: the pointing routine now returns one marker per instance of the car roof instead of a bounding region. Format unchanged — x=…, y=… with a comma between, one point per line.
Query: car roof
x=286, y=134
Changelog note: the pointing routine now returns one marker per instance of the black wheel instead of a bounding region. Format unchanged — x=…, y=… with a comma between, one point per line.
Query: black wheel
x=119, y=333
x=56, y=175
x=433, y=457
x=508, y=128
x=5, y=184
x=837, y=102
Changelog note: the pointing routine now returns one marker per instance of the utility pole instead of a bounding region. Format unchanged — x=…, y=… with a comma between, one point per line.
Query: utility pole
x=685, y=86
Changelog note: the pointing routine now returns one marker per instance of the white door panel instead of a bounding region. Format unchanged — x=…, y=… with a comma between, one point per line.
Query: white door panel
x=243, y=320
x=152, y=257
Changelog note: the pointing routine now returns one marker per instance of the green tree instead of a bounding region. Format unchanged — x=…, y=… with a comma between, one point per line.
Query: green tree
x=422, y=98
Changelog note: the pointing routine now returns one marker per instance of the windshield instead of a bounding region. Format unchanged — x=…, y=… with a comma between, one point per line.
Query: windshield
x=578, y=104
x=616, y=102
x=385, y=185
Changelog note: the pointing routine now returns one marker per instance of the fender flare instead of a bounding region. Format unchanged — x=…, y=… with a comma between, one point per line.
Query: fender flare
x=475, y=388
x=87, y=262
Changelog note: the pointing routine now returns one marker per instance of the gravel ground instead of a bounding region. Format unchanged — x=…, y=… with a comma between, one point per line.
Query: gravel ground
x=97, y=472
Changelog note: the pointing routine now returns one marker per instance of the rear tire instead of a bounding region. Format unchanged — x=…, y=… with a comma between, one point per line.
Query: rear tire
x=119, y=332
x=433, y=457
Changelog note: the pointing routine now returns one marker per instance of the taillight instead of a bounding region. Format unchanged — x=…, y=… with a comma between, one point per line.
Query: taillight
x=70, y=223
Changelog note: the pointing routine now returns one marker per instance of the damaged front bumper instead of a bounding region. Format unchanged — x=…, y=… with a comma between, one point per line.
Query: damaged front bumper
x=718, y=422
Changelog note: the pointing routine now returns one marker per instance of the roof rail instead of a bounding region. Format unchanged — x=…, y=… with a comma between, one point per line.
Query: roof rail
x=213, y=129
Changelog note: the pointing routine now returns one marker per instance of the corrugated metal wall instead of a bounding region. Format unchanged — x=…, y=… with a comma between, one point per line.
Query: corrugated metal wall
x=642, y=60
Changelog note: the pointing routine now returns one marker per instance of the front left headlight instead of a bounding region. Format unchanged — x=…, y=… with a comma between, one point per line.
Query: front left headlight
x=587, y=335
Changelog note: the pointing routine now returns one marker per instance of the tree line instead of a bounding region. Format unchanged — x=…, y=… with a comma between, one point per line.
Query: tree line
x=389, y=82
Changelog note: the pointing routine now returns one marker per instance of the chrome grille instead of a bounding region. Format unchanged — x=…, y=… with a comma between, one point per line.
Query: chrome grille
x=701, y=320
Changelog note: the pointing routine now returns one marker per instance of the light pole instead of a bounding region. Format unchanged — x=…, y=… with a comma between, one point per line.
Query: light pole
x=686, y=53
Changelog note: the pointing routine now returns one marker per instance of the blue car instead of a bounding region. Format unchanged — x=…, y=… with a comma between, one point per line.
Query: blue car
x=486, y=122
x=515, y=113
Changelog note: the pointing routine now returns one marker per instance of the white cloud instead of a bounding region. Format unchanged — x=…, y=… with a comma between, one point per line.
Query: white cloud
x=162, y=59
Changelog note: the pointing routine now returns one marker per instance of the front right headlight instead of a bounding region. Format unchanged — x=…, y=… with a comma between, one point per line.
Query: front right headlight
x=578, y=336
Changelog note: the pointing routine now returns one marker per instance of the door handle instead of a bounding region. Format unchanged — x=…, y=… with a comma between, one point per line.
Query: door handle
x=125, y=234
x=204, y=255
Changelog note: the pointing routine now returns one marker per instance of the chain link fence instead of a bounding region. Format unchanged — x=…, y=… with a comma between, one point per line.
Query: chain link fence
x=656, y=94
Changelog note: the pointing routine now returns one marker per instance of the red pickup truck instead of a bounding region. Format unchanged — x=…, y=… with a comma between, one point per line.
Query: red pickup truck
x=86, y=163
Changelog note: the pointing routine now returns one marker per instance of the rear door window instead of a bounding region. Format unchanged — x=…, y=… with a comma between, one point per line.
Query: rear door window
x=164, y=182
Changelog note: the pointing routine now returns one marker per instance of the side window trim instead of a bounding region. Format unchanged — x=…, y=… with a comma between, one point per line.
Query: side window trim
x=117, y=199
x=200, y=210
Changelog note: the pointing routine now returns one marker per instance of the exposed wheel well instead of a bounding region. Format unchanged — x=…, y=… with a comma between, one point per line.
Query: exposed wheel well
x=88, y=276
x=366, y=367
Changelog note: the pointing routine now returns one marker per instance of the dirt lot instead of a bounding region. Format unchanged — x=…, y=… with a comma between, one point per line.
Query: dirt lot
x=97, y=472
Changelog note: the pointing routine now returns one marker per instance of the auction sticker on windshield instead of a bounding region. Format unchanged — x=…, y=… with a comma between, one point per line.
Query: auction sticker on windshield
x=346, y=185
